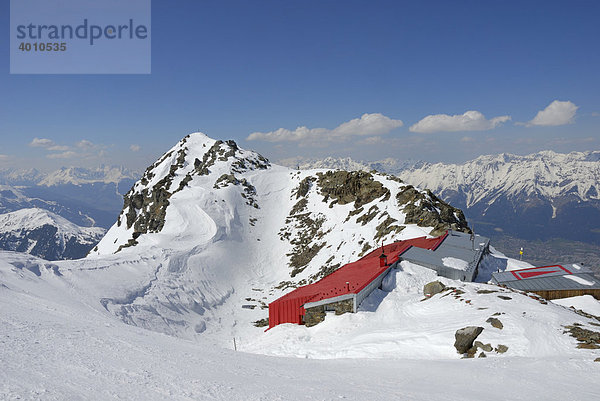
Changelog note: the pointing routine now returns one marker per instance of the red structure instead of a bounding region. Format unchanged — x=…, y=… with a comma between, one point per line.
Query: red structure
x=348, y=279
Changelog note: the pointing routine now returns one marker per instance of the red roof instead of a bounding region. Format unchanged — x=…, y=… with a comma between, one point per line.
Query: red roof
x=348, y=279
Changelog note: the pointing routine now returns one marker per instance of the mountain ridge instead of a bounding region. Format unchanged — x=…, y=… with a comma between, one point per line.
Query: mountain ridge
x=45, y=234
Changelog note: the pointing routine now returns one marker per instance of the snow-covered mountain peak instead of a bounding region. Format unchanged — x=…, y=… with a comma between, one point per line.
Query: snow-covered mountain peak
x=208, y=211
x=32, y=218
x=46, y=234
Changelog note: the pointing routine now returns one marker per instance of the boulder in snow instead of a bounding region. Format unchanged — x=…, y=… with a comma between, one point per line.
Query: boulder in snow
x=435, y=287
x=465, y=337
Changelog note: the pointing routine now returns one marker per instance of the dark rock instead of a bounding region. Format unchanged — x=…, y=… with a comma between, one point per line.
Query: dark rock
x=350, y=186
x=482, y=355
x=386, y=227
x=435, y=287
x=261, y=322
x=495, y=323
x=485, y=291
x=485, y=347
x=464, y=338
x=588, y=339
x=501, y=349
x=504, y=297
x=427, y=210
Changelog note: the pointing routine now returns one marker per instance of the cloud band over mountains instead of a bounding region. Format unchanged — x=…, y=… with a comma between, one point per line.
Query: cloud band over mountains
x=469, y=121
x=371, y=125
x=366, y=125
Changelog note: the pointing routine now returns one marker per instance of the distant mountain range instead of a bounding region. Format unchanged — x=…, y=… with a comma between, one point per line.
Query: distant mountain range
x=86, y=197
x=536, y=197
x=46, y=235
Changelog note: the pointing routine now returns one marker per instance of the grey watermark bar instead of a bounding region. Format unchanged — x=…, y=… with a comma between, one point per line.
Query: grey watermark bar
x=80, y=37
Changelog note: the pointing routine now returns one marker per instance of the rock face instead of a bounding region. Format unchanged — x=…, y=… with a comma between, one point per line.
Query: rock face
x=317, y=314
x=435, y=287
x=588, y=339
x=432, y=213
x=465, y=337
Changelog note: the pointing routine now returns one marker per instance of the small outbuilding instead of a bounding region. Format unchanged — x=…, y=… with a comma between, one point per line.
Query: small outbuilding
x=551, y=282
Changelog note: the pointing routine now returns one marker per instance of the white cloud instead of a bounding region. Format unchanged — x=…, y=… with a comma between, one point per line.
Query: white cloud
x=4, y=157
x=135, y=148
x=58, y=148
x=41, y=143
x=366, y=125
x=84, y=144
x=470, y=121
x=65, y=155
x=557, y=113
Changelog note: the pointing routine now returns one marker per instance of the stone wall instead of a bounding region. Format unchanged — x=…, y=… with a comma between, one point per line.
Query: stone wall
x=316, y=315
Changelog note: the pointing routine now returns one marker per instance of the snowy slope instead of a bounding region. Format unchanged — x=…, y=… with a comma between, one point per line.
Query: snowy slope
x=56, y=347
x=59, y=343
x=45, y=234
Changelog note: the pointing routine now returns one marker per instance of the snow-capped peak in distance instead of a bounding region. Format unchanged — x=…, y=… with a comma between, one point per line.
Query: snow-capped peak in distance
x=67, y=175
x=388, y=165
x=544, y=174
x=46, y=234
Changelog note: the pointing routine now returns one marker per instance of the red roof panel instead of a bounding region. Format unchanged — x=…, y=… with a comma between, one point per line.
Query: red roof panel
x=348, y=279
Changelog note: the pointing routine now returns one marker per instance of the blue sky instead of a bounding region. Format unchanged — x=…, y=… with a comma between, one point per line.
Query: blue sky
x=243, y=70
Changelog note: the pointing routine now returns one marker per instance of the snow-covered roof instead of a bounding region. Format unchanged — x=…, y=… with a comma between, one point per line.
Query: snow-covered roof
x=456, y=258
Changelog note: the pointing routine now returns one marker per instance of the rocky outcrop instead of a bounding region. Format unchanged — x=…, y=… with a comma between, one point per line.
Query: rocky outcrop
x=464, y=338
x=427, y=210
x=356, y=187
x=588, y=339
